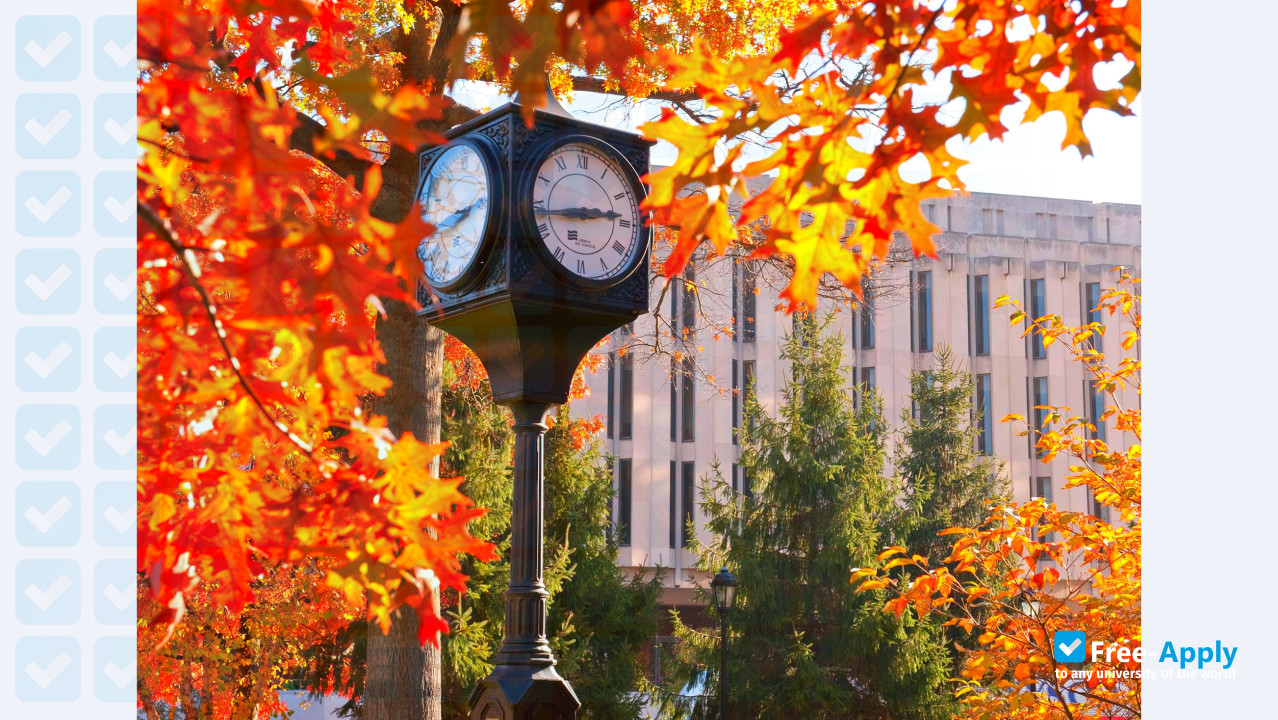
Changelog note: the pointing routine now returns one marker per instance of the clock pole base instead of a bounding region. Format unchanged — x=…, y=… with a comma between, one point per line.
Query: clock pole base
x=524, y=692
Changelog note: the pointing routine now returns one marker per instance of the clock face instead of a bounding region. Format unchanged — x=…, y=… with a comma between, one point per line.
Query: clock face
x=454, y=198
x=586, y=210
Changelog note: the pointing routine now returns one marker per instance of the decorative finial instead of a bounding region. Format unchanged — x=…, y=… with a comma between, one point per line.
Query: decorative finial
x=552, y=105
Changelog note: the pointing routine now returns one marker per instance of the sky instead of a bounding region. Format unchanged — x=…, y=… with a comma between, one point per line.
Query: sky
x=1027, y=161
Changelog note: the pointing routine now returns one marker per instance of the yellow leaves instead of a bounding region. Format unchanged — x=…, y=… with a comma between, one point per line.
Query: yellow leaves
x=871, y=585
x=890, y=551
x=1129, y=339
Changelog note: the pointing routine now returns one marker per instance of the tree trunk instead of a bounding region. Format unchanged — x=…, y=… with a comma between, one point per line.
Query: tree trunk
x=404, y=680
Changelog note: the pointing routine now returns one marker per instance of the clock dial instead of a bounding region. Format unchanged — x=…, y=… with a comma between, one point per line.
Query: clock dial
x=586, y=211
x=454, y=198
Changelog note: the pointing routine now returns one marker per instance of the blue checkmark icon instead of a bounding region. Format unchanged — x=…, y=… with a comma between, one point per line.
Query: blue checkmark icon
x=47, y=48
x=47, y=514
x=115, y=204
x=47, y=126
x=47, y=282
x=115, y=359
x=47, y=437
x=115, y=282
x=115, y=592
x=115, y=513
x=1069, y=646
x=47, y=359
x=115, y=669
x=48, y=203
x=115, y=48
x=47, y=669
x=115, y=437
x=115, y=126
x=47, y=592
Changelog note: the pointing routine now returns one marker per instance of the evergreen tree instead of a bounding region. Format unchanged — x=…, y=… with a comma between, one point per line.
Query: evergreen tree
x=946, y=482
x=598, y=621
x=803, y=642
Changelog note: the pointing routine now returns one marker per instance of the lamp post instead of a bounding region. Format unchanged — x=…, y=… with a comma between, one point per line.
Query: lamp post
x=725, y=596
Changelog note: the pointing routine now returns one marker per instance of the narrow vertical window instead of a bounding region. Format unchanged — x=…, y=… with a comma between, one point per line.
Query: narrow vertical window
x=688, y=301
x=747, y=483
x=674, y=502
x=688, y=401
x=611, y=418
x=998, y=222
x=689, y=482
x=736, y=404
x=627, y=392
x=1039, y=414
x=736, y=298
x=736, y=474
x=1097, y=509
x=1095, y=408
x=984, y=427
x=747, y=384
x=622, y=521
x=1038, y=308
x=749, y=302
x=675, y=374
x=1043, y=488
x=987, y=221
x=923, y=311
x=1092, y=312
x=981, y=314
x=867, y=317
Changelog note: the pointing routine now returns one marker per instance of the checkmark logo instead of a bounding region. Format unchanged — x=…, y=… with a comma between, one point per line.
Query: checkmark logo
x=44, y=598
x=44, y=366
x=121, y=133
x=44, y=444
x=1069, y=646
x=44, y=676
x=44, y=133
x=121, y=676
x=121, y=366
x=44, y=521
x=121, y=288
x=119, y=598
x=121, y=444
x=44, y=211
x=43, y=289
x=43, y=55
x=121, y=211
x=121, y=521
x=121, y=55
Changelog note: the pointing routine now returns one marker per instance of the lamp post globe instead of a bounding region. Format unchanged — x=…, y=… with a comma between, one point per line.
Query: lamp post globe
x=725, y=597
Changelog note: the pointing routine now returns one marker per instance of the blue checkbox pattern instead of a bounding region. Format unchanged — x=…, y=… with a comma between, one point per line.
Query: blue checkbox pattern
x=47, y=282
x=70, y=548
x=47, y=125
x=47, y=203
x=47, y=359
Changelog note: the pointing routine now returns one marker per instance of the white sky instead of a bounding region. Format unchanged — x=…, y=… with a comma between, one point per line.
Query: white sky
x=1027, y=161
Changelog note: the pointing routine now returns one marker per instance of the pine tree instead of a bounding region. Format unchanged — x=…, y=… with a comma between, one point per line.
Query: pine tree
x=598, y=621
x=803, y=643
x=947, y=484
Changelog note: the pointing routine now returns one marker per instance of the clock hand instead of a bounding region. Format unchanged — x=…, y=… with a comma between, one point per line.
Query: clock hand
x=581, y=213
x=457, y=217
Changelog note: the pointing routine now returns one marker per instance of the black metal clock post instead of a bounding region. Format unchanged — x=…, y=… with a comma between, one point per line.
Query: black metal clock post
x=531, y=322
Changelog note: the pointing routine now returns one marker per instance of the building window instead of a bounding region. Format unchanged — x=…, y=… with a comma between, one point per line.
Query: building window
x=921, y=312
x=1037, y=309
x=1092, y=312
x=622, y=519
x=1038, y=412
x=1095, y=408
x=1042, y=488
x=736, y=404
x=867, y=317
x=736, y=470
x=981, y=314
x=1096, y=508
x=626, y=431
x=611, y=419
x=674, y=502
x=747, y=384
x=749, y=301
x=689, y=482
x=675, y=374
x=688, y=401
x=747, y=483
x=688, y=301
x=984, y=410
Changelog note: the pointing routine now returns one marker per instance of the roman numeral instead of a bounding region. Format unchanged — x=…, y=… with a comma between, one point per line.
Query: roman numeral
x=563, y=164
x=624, y=223
x=583, y=162
x=581, y=267
x=603, y=174
x=603, y=264
x=619, y=248
x=544, y=229
x=539, y=205
x=544, y=179
x=559, y=254
x=619, y=195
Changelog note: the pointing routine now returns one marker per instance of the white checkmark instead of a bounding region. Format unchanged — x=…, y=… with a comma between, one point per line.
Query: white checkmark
x=121, y=676
x=121, y=211
x=47, y=54
x=121, y=366
x=121, y=444
x=121, y=133
x=45, y=675
x=44, y=288
x=121, y=520
x=45, y=133
x=43, y=211
x=121, y=288
x=1070, y=648
x=43, y=521
x=119, y=598
x=44, y=598
x=44, y=444
x=121, y=55
x=44, y=366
